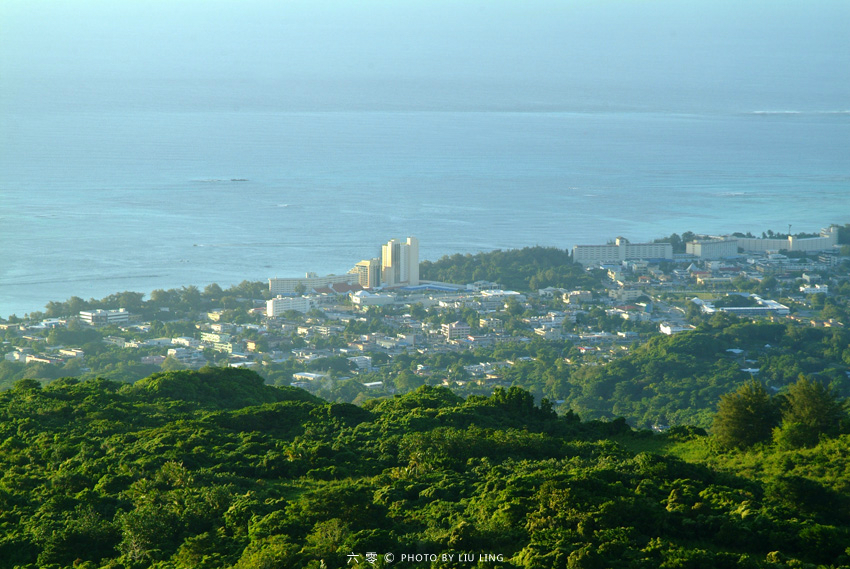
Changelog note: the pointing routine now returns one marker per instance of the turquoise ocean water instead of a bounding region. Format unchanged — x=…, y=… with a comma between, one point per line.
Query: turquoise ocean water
x=140, y=179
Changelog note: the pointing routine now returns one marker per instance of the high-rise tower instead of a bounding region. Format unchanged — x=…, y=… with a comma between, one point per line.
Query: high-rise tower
x=368, y=272
x=400, y=263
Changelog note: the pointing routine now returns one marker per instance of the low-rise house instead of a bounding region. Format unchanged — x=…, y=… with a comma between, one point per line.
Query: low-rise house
x=115, y=341
x=72, y=352
x=365, y=298
x=185, y=341
x=309, y=376
x=670, y=329
x=188, y=356
x=363, y=363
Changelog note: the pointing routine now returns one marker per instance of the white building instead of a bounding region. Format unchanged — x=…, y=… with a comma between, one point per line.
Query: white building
x=670, y=329
x=400, y=263
x=503, y=295
x=764, y=307
x=815, y=289
x=309, y=376
x=18, y=355
x=277, y=306
x=188, y=356
x=362, y=362
x=548, y=332
x=104, y=317
x=363, y=298
x=454, y=330
x=619, y=251
x=483, y=285
x=626, y=294
x=309, y=282
x=185, y=341
x=214, y=337
x=491, y=323
x=827, y=240
x=72, y=352
x=713, y=248
x=578, y=296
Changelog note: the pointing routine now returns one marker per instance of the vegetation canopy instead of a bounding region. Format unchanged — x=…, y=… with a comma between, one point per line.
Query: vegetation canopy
x=214, y=469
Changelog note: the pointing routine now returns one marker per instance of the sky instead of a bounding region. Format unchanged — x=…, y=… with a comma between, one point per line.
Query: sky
x=667, y=55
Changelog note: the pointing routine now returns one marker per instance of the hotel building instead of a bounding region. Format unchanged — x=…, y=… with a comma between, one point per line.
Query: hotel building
x=308, y=283
x=368, y=272
x=400, y=263
x=713, y=248
x=827, y=240
x=621, y=250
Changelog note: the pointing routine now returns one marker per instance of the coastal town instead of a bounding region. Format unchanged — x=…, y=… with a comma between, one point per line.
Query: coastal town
x=388, y=325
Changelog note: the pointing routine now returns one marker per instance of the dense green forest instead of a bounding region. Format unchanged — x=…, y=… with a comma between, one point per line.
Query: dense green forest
x=214, y=469
x=530, y=268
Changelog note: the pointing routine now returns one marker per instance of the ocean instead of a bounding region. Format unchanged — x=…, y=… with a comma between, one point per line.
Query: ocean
x=151, y=175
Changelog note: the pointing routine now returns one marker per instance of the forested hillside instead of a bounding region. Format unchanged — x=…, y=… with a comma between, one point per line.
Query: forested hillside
x=678, y=380
x=214, y=469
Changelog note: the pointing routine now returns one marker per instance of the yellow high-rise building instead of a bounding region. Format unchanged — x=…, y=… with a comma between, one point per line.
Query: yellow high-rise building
x=400, y=263
x=368, y=272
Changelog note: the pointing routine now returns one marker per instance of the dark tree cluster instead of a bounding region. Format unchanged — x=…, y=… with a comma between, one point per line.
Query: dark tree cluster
x=799, y=418
x=531, y=268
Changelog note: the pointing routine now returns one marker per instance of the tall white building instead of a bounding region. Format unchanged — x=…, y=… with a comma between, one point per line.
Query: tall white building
x=400, y=263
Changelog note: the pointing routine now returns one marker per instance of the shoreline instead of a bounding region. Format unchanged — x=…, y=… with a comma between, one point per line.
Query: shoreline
x=5, y=315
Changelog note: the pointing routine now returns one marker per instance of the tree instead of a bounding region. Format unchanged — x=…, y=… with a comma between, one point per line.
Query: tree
x=212, y=291
x=675, y=240
x=268, y=553
x=327, y=537
x=407, y=381
x=513, y=307
x=745, y=417
x=767, y=285
x=132, y=301
x=190, y=296
x=812, y=410
x=160, y=296
x=171, y=364
x=27, y=384
x=417, y=310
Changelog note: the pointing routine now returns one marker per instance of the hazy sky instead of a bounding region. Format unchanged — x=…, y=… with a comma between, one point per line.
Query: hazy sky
x=566, y=55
